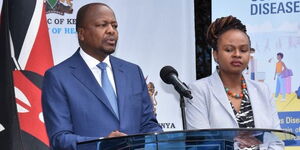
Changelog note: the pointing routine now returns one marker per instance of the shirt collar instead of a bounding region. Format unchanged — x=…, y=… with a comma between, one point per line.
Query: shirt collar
x=93, y=62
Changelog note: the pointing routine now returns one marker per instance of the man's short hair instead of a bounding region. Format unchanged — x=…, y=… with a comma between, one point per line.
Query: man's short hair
x=82, y=13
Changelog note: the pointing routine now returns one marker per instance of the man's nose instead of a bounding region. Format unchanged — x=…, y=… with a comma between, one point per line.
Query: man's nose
x=111, y=29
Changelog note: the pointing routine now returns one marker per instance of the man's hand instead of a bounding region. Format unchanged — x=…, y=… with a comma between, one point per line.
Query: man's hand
x=116, y=134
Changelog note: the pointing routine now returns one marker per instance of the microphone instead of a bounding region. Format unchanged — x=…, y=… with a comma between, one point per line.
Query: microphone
x=170, y=76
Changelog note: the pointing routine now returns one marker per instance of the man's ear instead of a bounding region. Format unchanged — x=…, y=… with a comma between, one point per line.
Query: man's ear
x=80, y=33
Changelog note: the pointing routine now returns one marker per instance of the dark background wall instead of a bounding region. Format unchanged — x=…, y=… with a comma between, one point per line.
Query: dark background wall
x=203, y=52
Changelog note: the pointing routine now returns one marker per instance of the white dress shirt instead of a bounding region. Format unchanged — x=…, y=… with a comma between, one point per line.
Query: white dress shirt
x=92, y=64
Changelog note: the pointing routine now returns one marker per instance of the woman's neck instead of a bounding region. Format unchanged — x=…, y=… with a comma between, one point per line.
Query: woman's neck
x=231, y=81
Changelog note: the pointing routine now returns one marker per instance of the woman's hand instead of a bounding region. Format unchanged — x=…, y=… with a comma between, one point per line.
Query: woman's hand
x=247, y=140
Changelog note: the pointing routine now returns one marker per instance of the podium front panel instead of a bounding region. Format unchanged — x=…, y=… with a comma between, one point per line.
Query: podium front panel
x=209, y=139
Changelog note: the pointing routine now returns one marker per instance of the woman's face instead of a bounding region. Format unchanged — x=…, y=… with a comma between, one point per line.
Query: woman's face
x=233, y=51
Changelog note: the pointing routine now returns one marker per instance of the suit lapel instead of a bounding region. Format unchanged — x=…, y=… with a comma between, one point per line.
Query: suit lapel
x=220, y=94
x=254, y=103
x=86, y=77
x=120, y=81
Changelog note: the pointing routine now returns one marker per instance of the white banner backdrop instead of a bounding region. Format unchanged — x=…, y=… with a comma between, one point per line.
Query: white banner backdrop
x=152, y=34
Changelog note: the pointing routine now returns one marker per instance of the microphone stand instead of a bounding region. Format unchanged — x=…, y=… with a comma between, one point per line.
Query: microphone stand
x=182, y=107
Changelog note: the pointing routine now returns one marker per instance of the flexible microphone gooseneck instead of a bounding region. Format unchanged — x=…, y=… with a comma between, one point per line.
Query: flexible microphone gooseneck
x=170, y=76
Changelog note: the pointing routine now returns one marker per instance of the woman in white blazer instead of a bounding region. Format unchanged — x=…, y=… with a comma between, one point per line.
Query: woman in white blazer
x=226, y=99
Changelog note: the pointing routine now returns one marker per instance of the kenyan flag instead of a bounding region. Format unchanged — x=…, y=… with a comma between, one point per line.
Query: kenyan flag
x=25, y=55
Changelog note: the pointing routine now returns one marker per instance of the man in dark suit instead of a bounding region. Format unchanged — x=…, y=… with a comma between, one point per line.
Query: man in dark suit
x=93, y=94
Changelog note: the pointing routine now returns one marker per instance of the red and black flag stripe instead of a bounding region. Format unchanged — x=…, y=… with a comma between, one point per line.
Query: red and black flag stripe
x=26, y=55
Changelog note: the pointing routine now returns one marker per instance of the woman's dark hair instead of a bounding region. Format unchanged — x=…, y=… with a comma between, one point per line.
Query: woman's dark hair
x=221, y=25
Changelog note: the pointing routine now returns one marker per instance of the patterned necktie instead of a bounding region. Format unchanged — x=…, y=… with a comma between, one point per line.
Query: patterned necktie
x=107, y=88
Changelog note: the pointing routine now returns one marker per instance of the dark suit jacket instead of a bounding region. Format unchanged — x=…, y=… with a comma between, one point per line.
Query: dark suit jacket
x=76, y=109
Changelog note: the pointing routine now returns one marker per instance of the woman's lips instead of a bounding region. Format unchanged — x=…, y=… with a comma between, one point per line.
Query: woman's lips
x=236, y=63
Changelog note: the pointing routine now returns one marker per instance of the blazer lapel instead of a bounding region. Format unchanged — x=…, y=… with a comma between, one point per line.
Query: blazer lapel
x=220, y=94
x=120, y=81
x=86, y=77
x=254, y=103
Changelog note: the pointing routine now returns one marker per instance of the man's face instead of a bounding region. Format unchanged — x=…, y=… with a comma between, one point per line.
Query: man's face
x=98, y=34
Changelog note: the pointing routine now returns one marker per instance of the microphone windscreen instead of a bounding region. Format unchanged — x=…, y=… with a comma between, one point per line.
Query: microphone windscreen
x=165, y=73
